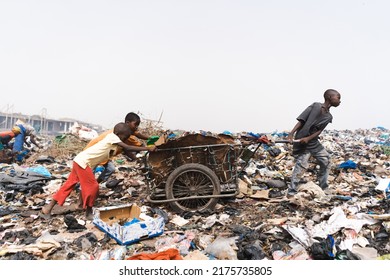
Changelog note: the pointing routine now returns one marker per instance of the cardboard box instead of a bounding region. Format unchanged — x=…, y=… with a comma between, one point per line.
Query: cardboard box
x=123, y=223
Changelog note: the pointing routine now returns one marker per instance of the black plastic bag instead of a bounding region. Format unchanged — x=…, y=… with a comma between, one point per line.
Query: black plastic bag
x=323, y=250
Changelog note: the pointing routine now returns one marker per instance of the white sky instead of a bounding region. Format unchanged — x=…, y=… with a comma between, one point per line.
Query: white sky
x=207, y=65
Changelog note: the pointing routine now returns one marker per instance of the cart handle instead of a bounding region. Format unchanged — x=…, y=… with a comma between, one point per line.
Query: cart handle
x=194, y=147
x=287, y=141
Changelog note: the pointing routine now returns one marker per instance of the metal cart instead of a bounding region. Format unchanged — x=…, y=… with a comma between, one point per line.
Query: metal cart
x=193, y=177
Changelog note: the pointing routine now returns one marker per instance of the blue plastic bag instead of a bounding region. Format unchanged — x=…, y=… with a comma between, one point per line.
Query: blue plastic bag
x=40, y=170
x=348, y=164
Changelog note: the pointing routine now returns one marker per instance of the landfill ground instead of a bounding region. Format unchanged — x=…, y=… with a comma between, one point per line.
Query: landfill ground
x=348, y=221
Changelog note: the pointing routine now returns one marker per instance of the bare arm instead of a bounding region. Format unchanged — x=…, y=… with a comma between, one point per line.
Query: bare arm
x=140, y=135
x=292, y=132
x=305, y=140
x=129, y=148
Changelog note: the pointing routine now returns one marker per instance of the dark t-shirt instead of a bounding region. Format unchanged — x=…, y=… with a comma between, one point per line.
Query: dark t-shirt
x=313, y=120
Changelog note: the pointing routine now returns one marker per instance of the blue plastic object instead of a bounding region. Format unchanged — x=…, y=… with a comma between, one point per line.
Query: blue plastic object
x=40, y=170
x=98, y=169
x=22, y=155
x=330, y=241
x=348, y=164
x=255, y=135
x=343, y=197
x=172, y=135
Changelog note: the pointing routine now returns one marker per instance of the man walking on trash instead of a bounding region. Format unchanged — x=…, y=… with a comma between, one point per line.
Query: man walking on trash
x=311, y=122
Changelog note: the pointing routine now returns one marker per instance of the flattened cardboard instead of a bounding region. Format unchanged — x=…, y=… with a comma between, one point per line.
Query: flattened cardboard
x=116, y=221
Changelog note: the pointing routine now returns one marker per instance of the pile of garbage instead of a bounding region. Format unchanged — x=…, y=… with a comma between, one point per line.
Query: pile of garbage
x=349, y=221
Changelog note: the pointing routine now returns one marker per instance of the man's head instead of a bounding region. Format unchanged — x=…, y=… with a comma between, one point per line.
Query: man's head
x=122, y=130
x=332, y=97
x=133, y=121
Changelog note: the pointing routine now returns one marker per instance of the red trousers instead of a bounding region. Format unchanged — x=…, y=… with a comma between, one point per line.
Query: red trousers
x=88, y=183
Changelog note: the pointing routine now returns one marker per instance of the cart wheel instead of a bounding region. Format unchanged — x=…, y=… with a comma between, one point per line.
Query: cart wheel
x=192, y=179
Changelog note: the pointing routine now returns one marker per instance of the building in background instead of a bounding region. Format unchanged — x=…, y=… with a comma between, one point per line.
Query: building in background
x=42, y=124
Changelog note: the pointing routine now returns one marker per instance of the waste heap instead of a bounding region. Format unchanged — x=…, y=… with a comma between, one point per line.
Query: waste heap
x=351, y=220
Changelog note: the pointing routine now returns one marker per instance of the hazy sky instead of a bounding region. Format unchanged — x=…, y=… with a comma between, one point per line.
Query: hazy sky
x=205, y=65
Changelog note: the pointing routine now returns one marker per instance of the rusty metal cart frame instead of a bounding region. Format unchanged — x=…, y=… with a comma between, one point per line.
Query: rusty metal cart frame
x=195, y=177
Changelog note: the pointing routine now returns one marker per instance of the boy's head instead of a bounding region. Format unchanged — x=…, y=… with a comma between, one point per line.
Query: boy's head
x=133, y=121
x=122, y=130
x=333, y=97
